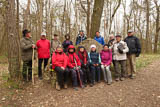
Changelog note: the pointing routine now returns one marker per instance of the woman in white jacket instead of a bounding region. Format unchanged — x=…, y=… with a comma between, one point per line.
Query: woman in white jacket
x=119, y=56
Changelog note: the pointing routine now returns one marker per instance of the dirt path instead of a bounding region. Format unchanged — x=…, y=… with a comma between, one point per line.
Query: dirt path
x=144, y=91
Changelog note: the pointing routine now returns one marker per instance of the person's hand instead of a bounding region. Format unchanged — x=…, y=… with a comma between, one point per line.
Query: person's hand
x=102, y=63
x=97, y=64
x=63, y=68
x=94, y=64
x=33, y=46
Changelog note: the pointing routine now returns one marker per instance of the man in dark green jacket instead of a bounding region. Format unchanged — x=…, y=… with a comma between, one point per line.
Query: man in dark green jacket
x=27, y=45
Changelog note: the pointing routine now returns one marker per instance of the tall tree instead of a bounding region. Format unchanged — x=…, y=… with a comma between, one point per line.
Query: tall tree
x=13, y=41
x=96, y=16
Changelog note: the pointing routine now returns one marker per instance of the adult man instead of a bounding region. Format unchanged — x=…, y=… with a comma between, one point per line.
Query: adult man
x=81, y=37
x=54, y=43
x=119, y=56
x=111, y=40
x=99, y=38
x=43, y=48
x=27, y=45
x=134, y=51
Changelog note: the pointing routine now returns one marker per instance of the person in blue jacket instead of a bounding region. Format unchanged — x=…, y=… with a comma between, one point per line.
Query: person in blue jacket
x=94, y=62
x=99, y=38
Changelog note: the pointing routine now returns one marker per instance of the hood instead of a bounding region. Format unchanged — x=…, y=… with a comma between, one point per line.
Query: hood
x=71, y=47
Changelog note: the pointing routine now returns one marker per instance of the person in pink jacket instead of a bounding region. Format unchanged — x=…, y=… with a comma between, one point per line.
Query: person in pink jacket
x=43, y=49
x=106, y=60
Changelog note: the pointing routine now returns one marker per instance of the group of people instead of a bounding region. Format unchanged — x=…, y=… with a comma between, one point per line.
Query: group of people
x=83, y=67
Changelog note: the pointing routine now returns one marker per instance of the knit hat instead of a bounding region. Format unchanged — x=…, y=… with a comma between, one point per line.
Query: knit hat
x=93, y=46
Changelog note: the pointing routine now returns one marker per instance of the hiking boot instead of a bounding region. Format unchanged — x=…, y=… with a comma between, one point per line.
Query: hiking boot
x=65, y=86
x=109, y=83
x=91, y=85
x=58, y=86
x=132, y=77
x=117, y=79
x=41, y=78
x=122, y=79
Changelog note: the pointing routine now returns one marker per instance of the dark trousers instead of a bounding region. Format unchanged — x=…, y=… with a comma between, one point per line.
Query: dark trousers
x=120, y=72
x=75, y=76
x=86, y=75
x=27, y=66
x=62, y=75
x=95, y=73
x=40, y=61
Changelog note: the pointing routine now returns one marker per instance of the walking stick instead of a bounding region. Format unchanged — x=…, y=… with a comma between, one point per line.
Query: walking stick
x=33, y=67
x=80, y=82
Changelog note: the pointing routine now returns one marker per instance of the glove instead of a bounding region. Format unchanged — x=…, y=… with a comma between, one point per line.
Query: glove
x=120, y=51
x=120, y=48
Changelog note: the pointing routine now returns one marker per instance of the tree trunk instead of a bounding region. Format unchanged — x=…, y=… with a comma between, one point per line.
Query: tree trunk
x=13, y=42
x=96, y=16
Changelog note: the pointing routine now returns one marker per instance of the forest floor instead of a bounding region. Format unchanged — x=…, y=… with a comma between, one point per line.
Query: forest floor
x=143, y=91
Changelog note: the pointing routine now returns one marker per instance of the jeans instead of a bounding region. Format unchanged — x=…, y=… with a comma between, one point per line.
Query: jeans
x=95, y=73
x=106, y=73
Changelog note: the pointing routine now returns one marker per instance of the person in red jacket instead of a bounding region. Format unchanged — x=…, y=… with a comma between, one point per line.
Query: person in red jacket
x=59, y=63
x=43, y=49
x=74, y=65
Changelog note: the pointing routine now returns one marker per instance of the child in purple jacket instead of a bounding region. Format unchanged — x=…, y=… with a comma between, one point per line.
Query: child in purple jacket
x=106, y=60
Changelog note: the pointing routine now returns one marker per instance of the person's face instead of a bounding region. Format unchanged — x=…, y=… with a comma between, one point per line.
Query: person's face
x=67, y=37
x=28, y=35
x=118, y=39
x=111, y=37
x=59, y=49
x=81, y=33
x=93, y=49
x=43, y=37
x=105, y=48
x=81, y=49
x=71, y=50
x=55, y=37
x=97, y=34
x=130, y=33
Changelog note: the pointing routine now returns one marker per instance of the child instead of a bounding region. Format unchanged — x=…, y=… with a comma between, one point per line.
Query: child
x=95, y=61
x=74, y=66
x=83, y=56
x=106, y=59
x=67, y=42
x=59, y=63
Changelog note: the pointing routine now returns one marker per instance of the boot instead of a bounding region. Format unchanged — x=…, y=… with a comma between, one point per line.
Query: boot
x=58, y=86
x=65, y=86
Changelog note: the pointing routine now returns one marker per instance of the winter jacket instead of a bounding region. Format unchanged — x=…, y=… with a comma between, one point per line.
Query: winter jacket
x=26, y=48
x=65, y=45
x=94, y=58
x=133, y=44
x=83, y=57
x=59, y=60
x=43, y=48
x=106, y=57
x=116, y=54
x=73, y=59
x=54, y=45
x=99, y=40
x=80, y=38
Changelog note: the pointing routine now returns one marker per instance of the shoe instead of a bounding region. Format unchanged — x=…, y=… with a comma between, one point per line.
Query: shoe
x=83, y=86
x=132, y=77
x=41, y=78
x=109, y=83
x=65, y=86
x=58, y=86
x=75, y=88
x=122, y=79
x=117, y=79
x=91, y=85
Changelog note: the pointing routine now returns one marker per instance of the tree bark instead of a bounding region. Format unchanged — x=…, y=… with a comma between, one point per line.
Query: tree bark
x=96, y=16
x=13, y=42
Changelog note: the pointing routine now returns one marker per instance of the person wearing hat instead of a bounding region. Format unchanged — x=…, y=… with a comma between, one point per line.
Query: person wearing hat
x=59, y=64
x=119, y=56
x=43, y=49
x=54, y=43
x=99, y=38
x=81, y=37
x=94, y=62
x=66, y=43
x=27, y=45
x=134, y=46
